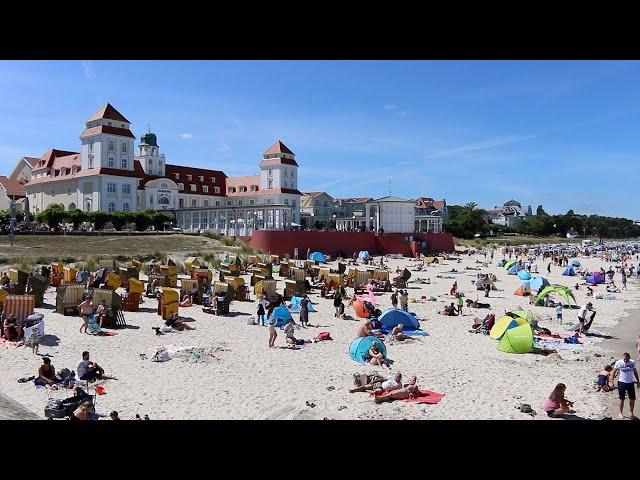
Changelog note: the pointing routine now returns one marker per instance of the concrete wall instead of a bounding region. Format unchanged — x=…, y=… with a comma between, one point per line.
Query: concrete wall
x=284, y=242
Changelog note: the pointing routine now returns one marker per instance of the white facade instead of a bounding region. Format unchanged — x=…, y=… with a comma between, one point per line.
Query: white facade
x=392, y=214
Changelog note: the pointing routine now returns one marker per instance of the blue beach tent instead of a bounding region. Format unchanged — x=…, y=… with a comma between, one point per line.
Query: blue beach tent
x=394, y=316
x=318, y=257
x=360, y=347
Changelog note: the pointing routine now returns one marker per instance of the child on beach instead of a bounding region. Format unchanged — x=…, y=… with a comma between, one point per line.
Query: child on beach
x=605, y=383
x=459, y=303
x=34, y=340
x=559, y=313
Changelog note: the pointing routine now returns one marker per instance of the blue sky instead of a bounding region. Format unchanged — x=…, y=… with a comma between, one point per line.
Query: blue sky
x=558, y=133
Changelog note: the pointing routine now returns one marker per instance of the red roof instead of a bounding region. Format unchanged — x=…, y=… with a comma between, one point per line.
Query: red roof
x=109, y=113
x=170, y=173
x=245, y=181
x=33, y=161
x=313, y=194
x=278, y=147
x=123, y=132
x=361, y=199
x=12, y=187
x=49, y=156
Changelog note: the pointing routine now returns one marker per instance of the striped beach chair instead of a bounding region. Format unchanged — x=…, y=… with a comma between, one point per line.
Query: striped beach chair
x=68, y=297
x=19, y=305
x=187, y=284
x=298, y=273
x=114, y=302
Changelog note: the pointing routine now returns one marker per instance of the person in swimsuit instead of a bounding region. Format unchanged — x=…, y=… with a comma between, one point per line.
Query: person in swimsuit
x=86, y=309
x=378, y=383
x=11, y=327
x=288, y=331
x=273, y=334
x=377, y=358
x=400, y=393
x=556, y=405
x=605, y=380
x=46, y=374
x=398, y=333
x=174, y=322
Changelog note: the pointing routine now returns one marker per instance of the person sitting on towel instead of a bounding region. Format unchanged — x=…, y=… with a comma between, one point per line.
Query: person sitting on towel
x=450, y=310
x=401, y=393
x=398, y=333
x=605, y=380
x=174, y=322
x=101, y=314
x=47, y=375
x=288, y=331
x=364, y=330
x=380, y=384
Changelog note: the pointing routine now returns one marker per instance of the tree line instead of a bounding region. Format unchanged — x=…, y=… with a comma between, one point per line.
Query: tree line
x=55, y=215
x=467, y=221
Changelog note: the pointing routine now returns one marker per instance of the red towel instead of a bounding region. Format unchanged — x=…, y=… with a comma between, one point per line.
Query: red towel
x=426, y=396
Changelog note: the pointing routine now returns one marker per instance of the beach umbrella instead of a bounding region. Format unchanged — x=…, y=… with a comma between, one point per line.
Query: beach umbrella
x=363, y=254
x=524, y=275
x=318, y=257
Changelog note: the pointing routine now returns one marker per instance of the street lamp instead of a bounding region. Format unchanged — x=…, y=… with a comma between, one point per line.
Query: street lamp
x=335, y=222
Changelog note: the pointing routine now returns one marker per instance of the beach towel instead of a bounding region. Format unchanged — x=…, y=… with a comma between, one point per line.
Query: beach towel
x=423, y=396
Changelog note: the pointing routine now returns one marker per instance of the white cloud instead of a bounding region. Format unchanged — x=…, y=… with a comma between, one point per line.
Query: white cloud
x=224, y=148
x=186, y=136
x=87, y=68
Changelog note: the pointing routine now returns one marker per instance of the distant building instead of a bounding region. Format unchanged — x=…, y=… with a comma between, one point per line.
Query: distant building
x=509, y=214
x=350, y=212
x=430, y=214
x=316, y=208
x=393, y=214
x=10, y=190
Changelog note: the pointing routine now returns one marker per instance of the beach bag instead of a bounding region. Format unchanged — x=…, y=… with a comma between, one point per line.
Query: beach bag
x=324, y=336
x=165, y=328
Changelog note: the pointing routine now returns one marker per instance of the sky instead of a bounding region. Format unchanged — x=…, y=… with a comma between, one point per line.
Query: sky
x=558, y=133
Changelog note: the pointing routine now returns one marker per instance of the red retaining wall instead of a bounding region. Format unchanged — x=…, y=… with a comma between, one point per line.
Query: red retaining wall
x=280, y=242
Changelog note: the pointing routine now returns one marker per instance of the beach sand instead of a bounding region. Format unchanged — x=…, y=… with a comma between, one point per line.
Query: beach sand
x=248, y=380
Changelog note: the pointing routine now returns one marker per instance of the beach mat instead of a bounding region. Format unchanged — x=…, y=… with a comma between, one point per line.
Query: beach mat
x=424, y=396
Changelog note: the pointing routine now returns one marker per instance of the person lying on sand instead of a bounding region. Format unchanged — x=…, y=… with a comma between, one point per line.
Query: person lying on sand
x=401, y=393
x=476, y=304
x=379, y=383
x=174, y=322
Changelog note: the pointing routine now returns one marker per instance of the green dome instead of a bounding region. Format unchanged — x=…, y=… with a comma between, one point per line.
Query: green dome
x=149, y=139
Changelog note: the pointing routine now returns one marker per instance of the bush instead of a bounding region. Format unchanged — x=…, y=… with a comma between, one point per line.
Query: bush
x=213, y=235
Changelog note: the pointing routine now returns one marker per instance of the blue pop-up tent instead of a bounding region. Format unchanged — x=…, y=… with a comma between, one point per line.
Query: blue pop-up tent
x=515, y=268
x=569, y=272
x=575, y=262
x=524, y=275
x=394, y=316
x=538, y=283
x=363, y=254
x=282, y=316
x=318, y=257
x=360, y=347
x=295, y=305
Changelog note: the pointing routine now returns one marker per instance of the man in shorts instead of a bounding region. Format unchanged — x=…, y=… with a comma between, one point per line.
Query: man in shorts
x=625, y=370
x=378, y=383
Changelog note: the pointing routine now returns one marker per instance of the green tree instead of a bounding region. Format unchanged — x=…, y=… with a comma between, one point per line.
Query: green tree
x=53, y=215
x=99, y=219
x=76, y=217
x=118, y=220
x=142, y=220
x=540, y=210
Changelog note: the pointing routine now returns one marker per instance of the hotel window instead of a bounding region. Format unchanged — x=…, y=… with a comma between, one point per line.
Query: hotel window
x=240, y=202
x=124, y=148
x=216, y=189
x=286, y=201
x=111, y=146
x=205, y=189
x=111, y=163
x=250, y=202
x=126, y=188
x=177, y=175
x=122, y=125
x=193, y=187
x=181, y=186
x=217, y=203
x=125, y=207
x=150, y=162
x=124, y=163
x=201, y=178
x=112, y=207
x=228, y=202
x=160, y=162
x=269, y=183
x=181, y=202
x=213, y=179
x=111, y=187
x=269, y=201
x=188, y=177
x=285, y=184
x=205, y=203
x=193, y=202
x=90, y=162
x=109, y=123
x=90, y=147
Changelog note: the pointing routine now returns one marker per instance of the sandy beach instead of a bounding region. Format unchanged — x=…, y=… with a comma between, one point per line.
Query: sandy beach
x=247, y=380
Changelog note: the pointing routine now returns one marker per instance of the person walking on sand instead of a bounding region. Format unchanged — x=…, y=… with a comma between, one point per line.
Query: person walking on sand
x=273, y=334
x=262, y=305
x=394, y=299
x=86, y=309
x=404, y=300
x=549, y=268
x=625, y=370
x=559, y=313
x=638, y=347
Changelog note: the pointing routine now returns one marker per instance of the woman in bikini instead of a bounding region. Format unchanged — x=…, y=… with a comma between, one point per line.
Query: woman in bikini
x=377, y=358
